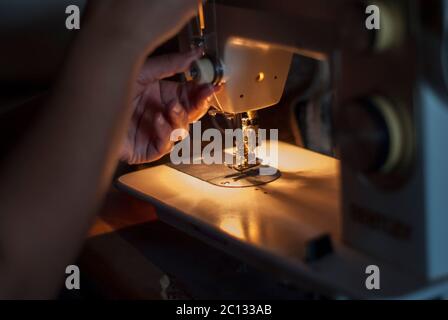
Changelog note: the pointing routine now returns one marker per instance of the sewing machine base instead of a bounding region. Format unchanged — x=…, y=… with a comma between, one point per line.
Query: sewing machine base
x=224, y=176
x=276, y=225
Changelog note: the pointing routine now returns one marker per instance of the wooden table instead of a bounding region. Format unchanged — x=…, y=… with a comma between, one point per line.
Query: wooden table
x=130, y=254
x=114, y=266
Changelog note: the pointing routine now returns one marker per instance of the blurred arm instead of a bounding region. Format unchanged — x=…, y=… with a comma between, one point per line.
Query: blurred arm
x=52, y=183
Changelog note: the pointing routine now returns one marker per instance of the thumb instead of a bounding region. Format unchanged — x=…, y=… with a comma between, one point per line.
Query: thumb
x=168, y=65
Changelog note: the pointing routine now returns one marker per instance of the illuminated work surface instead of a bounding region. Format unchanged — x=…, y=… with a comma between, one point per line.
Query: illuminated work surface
x=255, y=214
x=269, y=225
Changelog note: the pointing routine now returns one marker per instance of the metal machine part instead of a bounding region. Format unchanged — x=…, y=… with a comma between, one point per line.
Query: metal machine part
x=206, y=71
x=244, y=169
x=378, y=128
x=211, y=70
x=245, y=151
x=226, y=176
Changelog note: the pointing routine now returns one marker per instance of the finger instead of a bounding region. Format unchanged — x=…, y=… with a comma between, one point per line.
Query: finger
x=177, y=116
x=203, y=93
x=198, y=101
x=136, y=121
x=219, y=88
x=165, y=66
x=144, y=135
x=163, y=133
x=169, y=91
x=164, y=147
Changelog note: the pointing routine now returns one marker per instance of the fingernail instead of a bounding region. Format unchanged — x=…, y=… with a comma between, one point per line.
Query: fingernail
x=160, y=120
x=177, y=109
x=181, y=134
x=209, y=89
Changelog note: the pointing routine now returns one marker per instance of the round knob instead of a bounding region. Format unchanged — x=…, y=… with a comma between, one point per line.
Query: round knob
x=370, y=135
x=206, y=71
x=392, y=26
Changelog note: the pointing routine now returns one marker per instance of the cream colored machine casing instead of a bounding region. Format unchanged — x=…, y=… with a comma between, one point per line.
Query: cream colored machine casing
x=254, y=73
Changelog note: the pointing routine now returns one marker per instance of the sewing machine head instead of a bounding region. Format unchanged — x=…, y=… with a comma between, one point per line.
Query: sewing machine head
x=249, y=46
x=253, y=74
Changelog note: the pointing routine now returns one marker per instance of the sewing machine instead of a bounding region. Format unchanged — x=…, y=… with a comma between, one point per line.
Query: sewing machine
x=321, y=222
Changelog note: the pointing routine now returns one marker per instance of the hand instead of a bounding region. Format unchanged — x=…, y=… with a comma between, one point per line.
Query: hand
x=162, y=106
x=141, y=24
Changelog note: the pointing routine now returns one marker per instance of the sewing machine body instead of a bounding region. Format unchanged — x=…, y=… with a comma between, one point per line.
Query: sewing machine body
x=390, y=208
x=278, y=227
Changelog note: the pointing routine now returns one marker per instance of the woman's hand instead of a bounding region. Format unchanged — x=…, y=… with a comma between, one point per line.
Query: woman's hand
x=162, y=106
x=75, y=141
x=136, y=27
